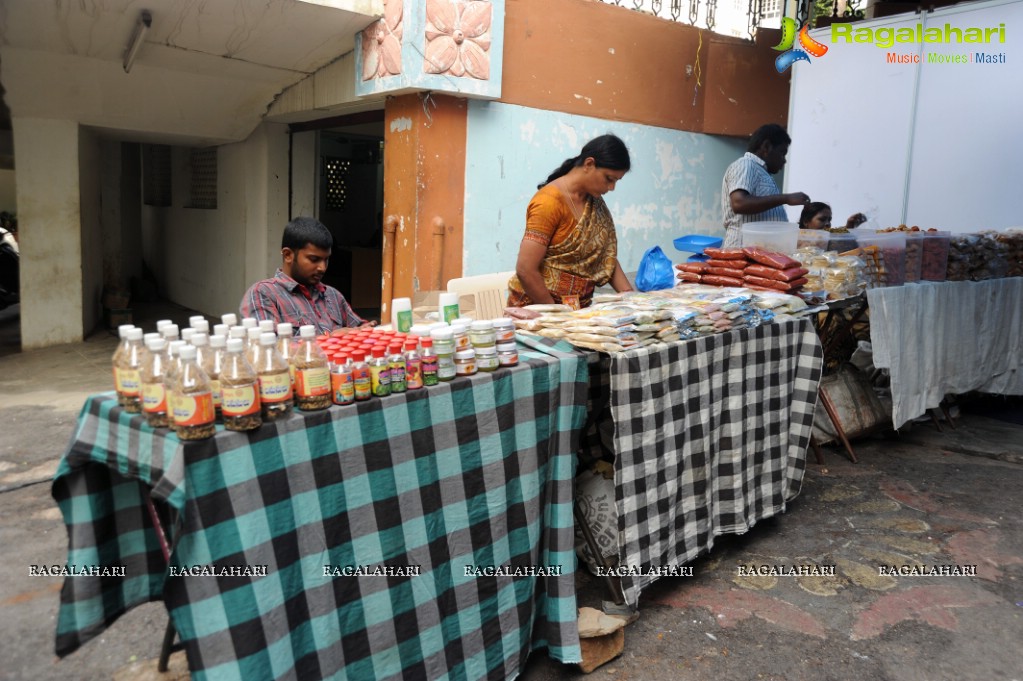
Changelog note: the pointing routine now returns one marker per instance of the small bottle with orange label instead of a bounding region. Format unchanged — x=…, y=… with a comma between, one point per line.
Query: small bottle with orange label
x=126, y=372
x=274, y=380
x=193, y=399
x=239, y=389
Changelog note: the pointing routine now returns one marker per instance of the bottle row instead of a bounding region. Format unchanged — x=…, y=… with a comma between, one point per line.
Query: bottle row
x=243, y=375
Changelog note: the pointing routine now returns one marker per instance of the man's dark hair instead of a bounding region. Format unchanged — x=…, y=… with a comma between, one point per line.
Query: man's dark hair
x=304, y=230
x=771, y=132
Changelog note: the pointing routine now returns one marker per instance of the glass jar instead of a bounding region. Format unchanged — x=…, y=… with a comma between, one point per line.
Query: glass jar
x=482, y=334
x=486, y=358
x=504, y=329
x=444, y=347
x=465, y=362
x=507, y=354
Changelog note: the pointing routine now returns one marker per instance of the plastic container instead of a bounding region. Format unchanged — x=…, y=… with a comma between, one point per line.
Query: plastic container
x=380, y=372
x=486, y=358
x=447, y=304
x=840, y=243
x=429, y=364
x=482, y=334
x=312, y=372
x=401, y=314
x=507, y=354
x=892, y=247
x=413, y=365
x=361, y=376
x=192, y=400
x=154, y=393
x=275, y=394
x=813, y=238
x=504, y=330
x=239, y=390
x=127, y=372
x=914, y=255
x=695, y=243
x=342, y=381
x=934, y=260
x=399, y=369
x=465, y=362
x=780, y=237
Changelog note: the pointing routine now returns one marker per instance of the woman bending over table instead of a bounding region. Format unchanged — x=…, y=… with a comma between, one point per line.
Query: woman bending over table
x=570, y=246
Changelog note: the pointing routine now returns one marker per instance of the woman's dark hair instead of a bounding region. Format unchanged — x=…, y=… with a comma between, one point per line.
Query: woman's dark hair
x=608, y=151
x=302, y=231
x=770, y=132
x=810, y=211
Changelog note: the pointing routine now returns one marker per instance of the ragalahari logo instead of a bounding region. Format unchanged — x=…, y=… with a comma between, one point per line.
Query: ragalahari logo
x=790, y=55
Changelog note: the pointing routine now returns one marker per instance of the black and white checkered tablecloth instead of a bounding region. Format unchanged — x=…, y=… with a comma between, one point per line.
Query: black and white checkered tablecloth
x=710, y=437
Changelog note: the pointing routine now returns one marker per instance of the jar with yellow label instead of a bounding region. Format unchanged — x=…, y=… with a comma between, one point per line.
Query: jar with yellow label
x=486, y=358
x=465, y=362
x=507, y=354
x=504, y=329
x=460, y=336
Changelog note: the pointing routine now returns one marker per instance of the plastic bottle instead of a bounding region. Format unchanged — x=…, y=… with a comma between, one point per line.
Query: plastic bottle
x=448, y=304
x=122, y=346
x=274, y=380
x=249, y=322
x=361, y=378
x=267, y=325
x=254, y=346
x=286, y=345
x=170, y=375
x=312, y=372
x=444, y=346
x=399, y=370
x=187, y=333
x=129, y=385
x=160, y=324
x=213, y=363
x=193, y=399
x=221, y=330
x=170, y=332
x=230, y=319
x=239, y=385
x=342, y=381
x=413, y=365
x=429, y=362
x=380, y=372
x=199, y=324
x=154, y=393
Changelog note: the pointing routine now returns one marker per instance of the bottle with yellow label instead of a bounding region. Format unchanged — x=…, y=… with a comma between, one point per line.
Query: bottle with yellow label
x=239, y=389
x=274, y=380
x=129, y=385
x=122, y=346
x=192, y=405
x=312, y=372
x=154, y=392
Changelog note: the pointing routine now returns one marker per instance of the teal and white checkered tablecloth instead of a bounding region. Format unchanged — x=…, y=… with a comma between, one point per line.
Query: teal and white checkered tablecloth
x=458, y=478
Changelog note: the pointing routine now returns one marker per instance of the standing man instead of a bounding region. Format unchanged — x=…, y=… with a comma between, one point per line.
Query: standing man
x=748, y=192
x=296, y=294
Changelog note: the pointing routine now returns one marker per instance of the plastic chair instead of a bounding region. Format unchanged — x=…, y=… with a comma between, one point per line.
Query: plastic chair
x=489, y=292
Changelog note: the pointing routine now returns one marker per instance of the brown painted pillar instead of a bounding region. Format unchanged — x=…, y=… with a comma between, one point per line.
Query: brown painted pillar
x=424, y=186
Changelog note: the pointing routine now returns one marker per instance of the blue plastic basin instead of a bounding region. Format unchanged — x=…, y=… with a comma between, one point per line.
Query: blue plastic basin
x=695, y=243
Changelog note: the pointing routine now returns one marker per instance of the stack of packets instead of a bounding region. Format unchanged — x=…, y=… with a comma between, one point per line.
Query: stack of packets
x=752, y=267
x=837, y=276
x=618, y=322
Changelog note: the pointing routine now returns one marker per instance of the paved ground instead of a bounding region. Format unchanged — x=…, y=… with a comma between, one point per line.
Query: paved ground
x=924, y=497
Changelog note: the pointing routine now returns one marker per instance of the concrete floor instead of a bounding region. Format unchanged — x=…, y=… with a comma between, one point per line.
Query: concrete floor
x=922, y=497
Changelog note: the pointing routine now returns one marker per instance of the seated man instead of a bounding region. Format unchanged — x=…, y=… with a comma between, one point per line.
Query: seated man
x=295, y=294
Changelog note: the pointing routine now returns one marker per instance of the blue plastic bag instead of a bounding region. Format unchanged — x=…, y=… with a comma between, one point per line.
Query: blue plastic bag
x=655, y=271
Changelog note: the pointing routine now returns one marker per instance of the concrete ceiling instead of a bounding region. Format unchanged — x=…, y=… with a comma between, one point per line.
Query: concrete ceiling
x=207, y=72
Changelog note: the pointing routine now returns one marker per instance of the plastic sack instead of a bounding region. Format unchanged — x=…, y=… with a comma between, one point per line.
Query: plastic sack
x=655, y=271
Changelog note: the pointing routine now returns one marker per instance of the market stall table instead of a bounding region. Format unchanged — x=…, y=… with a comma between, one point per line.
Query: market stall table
x=942, y=338
x=710, y=437
x=476, y=473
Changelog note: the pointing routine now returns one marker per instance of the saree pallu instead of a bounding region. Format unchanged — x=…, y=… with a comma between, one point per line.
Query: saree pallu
x=575, y=265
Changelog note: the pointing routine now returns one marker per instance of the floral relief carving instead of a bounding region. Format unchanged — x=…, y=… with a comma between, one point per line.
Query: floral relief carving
x=458, y=37
x=381, y=43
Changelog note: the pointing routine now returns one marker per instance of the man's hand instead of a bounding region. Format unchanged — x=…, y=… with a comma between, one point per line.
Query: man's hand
x=797, y=199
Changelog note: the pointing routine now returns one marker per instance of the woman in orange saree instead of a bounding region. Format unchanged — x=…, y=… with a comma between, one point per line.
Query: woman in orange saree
x=570, y=246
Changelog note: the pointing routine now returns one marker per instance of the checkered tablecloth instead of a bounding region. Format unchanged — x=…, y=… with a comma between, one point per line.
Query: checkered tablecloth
x=477, y=472
x=710, y=437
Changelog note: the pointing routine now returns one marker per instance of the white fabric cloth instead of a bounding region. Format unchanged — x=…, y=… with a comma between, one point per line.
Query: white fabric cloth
x=939, y=338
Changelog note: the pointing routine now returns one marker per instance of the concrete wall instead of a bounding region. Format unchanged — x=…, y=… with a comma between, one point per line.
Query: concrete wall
x=49, y=231
x=8, y=199
x=90, y=164
x=673, y=189
x=205, y=259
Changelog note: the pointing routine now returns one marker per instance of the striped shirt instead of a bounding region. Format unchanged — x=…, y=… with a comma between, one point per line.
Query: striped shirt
x=748, y=173
x=283, y=299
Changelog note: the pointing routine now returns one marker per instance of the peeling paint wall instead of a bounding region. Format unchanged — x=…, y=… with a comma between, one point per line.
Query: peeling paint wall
x=49, y=231
x=673, y=189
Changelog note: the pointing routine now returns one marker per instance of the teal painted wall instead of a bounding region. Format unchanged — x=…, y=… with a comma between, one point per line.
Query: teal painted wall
x=673, y=189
